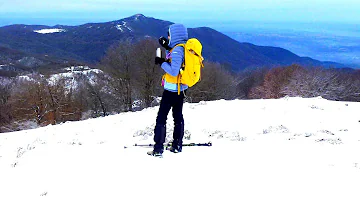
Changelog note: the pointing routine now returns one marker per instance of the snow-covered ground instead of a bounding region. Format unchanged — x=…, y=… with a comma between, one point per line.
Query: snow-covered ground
x=290, y=149
x=49, y=31
x=70, y=75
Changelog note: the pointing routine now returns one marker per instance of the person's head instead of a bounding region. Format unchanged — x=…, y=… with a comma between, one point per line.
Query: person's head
x=177, y=34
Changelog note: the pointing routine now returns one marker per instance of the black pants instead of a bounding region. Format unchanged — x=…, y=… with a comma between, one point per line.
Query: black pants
x=169, y=100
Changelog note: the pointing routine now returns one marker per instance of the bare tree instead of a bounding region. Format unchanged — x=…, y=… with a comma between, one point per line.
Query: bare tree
x=118, y=63
x=216, y=83
x=45, y=102
x=56, y=93
x=81, y=96
x=29, y=101
x=62, y=103
x=248, y=80
x=147, y=74
x=98, y=101
x=5, y=113
x=327, y=83
x=274, y=81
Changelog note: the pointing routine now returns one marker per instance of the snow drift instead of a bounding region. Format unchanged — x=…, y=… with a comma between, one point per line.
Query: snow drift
x=290, y=149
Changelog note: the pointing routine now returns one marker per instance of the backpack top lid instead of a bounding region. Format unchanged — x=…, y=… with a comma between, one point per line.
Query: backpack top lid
x=194, y=45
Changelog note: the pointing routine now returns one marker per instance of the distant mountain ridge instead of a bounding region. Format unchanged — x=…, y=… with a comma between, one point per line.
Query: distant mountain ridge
x=89, y=42
x=14, y=62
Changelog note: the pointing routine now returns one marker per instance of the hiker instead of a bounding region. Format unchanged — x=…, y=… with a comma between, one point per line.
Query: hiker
x=173, y=95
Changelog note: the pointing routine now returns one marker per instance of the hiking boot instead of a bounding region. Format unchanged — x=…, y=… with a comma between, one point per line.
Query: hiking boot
x=159, y=138
x=155, y=153
x=176, y=145
x=175, y=149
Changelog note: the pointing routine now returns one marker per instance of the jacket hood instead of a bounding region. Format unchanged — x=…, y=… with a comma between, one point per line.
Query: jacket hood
x=178, y=34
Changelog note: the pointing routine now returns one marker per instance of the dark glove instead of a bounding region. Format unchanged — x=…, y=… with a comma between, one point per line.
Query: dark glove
x=159, y=61
x=164, y=42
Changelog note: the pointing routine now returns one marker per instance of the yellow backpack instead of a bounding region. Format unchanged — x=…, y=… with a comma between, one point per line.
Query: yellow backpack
x=190, y=73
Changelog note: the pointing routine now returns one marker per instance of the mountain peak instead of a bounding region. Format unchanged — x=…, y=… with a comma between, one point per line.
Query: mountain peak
x=138, y=16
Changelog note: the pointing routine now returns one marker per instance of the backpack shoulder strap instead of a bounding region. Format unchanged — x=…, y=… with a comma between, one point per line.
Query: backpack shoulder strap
x=183, y=65
x=181, y=44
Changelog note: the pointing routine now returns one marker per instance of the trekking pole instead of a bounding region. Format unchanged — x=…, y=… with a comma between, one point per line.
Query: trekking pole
x=208, y=144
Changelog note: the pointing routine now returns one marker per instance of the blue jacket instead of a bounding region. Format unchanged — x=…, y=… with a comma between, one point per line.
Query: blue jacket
x=178, y=35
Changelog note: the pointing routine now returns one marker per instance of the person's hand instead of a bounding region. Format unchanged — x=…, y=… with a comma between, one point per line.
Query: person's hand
x=159, y=61
x=164, y=42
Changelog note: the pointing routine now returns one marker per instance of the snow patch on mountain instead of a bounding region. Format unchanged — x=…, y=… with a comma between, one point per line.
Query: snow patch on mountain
x=123, y=26
x=49, y=31
x=71, y=76
x=119, y=28
x=138, y=16
x=77, y=68
x=30, y=62
x=26, y=78
x=74, y=73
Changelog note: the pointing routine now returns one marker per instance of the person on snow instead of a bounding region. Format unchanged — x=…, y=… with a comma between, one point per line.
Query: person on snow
x=171, y=98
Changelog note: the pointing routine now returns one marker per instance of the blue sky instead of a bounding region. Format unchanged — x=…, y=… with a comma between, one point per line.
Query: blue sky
x=190, y=12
